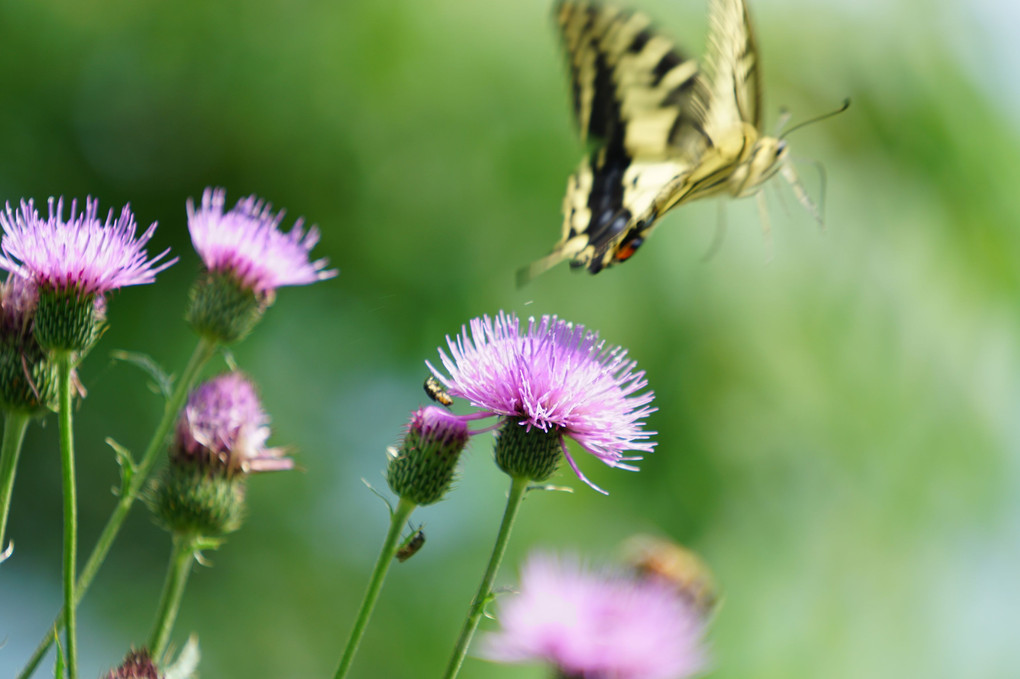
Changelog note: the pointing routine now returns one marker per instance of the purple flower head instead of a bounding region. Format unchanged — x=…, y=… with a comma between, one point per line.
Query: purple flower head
x=136, y=665
x=224, y=427
x=83, y=254
x=556, y=377
x=438, y=428
x=247, y=243
x=596, y=624
x=18, y=300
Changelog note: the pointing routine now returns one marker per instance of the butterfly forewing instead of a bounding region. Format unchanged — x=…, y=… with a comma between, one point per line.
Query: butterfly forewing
x=732, y=66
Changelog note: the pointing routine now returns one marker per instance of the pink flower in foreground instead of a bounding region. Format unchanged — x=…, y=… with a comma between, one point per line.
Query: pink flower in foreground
x=556, y=377
x=246, y=242
x=596, y=624
x=83, y=254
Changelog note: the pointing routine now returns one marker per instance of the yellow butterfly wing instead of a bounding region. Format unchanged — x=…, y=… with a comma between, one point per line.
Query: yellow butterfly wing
x=638, y=99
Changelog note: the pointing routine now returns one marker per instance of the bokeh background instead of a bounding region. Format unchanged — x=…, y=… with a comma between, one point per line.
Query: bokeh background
x=839, y=409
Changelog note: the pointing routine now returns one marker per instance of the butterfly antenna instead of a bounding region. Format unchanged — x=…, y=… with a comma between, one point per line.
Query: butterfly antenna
x=766, y=225
x=719, y=235
x=784, y=117
x=816, y=119
x=822, y=183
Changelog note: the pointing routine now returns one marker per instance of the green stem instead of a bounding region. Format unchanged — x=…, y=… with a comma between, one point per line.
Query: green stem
x=64, y=367
x=181, y=557
x=203, y=352
x=15, y=424
x=518, y=486
x=397, y=520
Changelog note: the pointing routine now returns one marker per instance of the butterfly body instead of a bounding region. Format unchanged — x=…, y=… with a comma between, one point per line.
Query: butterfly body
x=668, y=131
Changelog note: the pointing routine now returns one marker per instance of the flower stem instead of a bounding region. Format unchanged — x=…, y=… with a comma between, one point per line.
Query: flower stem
x=64, y=367
x=398, y=518
x=15, y=424
x=203, y=352
x=518, y=486
x=177, y=572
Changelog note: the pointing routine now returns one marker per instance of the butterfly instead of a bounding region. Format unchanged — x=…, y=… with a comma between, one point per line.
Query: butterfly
x=668, y=131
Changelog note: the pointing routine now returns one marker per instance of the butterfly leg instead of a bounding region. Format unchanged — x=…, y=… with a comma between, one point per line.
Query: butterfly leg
x=720, y=232
x=766, y=225
x=790, y=175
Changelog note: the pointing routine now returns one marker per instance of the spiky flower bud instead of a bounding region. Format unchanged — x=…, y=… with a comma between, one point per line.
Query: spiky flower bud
x=28, y=380
x=136, y=665
x=526, y=451
x=246, y=259
x=223, y=309
x=68, y=321
x=422, y=469
x=220, y=440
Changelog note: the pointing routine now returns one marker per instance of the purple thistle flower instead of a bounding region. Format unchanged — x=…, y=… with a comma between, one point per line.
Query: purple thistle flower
x=223, y=426
x=556, y=377
x=596, y=624
x=83, y=254
x=136, y=665
x=18, y=299
x=247, y=243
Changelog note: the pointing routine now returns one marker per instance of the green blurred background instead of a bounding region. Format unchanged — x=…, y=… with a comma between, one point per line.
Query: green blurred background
x=839, y=409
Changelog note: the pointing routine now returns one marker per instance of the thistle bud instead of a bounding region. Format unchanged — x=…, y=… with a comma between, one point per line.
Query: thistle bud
x=67, y=320
x=422, y=469
x=220, y=439
x=223, y=309
x=525, y=451
x=28, y=379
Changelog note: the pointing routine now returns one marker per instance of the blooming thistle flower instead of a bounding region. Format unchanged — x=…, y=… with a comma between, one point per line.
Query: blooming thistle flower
x=74, y=263
x=246, y=259
x=136, y=665
x=28, y=380
x=593, y=624
x=220, y=440
x=224, y=429
x=556, y=381
x=422, y=468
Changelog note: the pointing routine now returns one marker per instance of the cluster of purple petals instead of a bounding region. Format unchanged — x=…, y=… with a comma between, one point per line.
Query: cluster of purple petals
x=18, y=299
x=556, y=375
x=223, y=424
x=246, y=242
x=597, y=624
x=81, y=254
x=439, y=427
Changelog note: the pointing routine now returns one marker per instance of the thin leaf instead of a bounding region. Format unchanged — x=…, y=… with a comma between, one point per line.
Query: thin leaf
x=164, y=382
x=126, y=463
